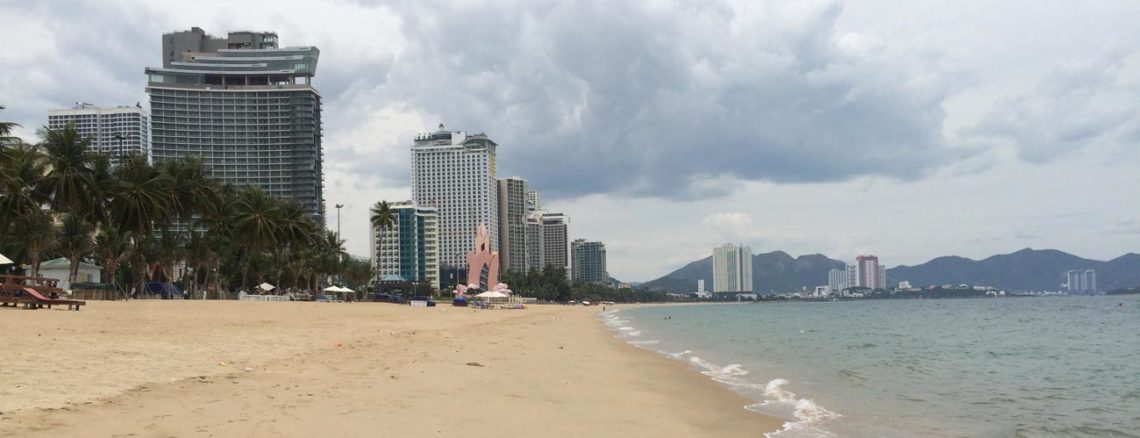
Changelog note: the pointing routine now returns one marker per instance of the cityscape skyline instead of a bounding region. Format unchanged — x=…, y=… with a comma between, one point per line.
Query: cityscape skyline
x=941, y=79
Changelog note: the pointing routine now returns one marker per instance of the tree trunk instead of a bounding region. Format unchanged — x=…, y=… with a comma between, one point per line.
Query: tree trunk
x=73, y=272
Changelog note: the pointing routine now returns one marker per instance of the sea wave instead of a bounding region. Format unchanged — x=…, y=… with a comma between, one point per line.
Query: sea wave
x=803, y=417
x=808, y=415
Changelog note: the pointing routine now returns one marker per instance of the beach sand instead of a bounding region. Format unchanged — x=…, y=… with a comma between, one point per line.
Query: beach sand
x=252, y=369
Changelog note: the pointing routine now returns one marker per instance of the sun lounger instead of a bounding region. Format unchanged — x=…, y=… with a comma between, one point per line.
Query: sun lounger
x=37, y=300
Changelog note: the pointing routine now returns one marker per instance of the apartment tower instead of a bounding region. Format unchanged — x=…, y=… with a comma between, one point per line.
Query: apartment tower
x=732, y=268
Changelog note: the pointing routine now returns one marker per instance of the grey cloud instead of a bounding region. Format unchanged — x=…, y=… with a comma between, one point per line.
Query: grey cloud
x=618, y=98
x=92, y=52
x=1094, y=103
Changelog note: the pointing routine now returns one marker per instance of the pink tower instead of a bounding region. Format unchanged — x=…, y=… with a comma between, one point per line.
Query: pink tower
x=482, y=263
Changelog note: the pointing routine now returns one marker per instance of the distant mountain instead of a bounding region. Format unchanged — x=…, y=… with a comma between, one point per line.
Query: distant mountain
x=1028, y=269
x=771, y=272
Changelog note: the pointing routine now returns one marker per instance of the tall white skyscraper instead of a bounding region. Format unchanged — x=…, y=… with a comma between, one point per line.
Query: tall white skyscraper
x=1081, y=280
x=837, y=280
x=512, y=224
x=732, y=268
x=455, y=173
x=114, y=131
x=852, y=276
x=555, y=240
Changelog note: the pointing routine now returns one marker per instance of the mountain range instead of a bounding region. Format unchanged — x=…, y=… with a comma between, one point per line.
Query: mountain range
x=1027, y=269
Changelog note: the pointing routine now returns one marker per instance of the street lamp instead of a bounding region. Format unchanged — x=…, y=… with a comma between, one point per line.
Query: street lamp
x=120, y=137
x=338, y=206
x=340, y=279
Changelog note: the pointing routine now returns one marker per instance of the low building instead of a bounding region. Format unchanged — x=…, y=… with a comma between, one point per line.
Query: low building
x=60, y=269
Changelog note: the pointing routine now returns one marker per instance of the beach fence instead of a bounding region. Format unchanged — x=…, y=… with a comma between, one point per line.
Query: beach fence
x=242, y=296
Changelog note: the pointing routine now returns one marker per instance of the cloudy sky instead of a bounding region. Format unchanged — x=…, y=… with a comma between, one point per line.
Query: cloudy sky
x=908, y=130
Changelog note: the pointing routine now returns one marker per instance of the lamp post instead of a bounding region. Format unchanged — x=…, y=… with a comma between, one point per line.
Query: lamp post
x=120, y=137
x=338, y=207
x=340, y=279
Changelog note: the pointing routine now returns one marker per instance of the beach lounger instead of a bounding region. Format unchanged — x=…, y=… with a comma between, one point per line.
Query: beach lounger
x=37, y=300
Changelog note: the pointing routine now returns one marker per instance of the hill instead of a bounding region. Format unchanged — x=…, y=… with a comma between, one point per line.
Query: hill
x=1027, y=269
x=771, y=272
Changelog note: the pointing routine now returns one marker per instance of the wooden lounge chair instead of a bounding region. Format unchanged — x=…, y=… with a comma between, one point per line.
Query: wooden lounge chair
x=40, y=300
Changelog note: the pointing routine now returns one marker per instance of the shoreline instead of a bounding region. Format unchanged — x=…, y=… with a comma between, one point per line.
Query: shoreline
x=226, y=368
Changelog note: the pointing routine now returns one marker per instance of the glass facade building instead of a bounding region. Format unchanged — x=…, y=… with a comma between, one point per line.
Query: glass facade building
x=589, y=262
x=246, y=107
x=410, y=249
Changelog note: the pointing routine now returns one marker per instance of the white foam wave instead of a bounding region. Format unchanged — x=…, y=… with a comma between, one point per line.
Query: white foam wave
x=676, y=355
x=808, y=415
x=714, y=370
x=645, y=342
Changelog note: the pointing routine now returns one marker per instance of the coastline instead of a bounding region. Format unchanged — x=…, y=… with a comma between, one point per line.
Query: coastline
x=164, y=368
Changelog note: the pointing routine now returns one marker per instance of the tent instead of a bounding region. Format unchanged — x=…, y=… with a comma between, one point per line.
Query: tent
x=346, y=290
x=4, y=260
x=492, y=294
x=332, y=289
x=266, y=287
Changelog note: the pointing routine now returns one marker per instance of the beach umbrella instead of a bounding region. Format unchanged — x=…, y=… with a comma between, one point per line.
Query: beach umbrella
x=266, y=287
x=347, y=290
x=332, y=289
x=4, y=260
x=492, y=294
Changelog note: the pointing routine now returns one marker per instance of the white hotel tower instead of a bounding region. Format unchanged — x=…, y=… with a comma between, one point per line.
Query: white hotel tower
x=455, y=172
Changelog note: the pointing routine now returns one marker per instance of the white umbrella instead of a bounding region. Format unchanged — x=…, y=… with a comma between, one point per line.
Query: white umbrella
x=332, y=289
x=347, y=290
x=266, y=287
x=4, y=260
x=492, y=294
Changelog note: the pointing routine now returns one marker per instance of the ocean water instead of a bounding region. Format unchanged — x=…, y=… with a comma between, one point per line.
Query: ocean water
x=1010, y=367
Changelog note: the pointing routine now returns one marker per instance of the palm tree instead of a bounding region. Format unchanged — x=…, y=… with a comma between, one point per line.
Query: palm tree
x=35, y=234
x=70, y=180
x=6, y=138
x=75, y=242
x=111, y=247
x=21, y=169
x=383, y=218
x=138, y=196
x=191, y=190
x=256, y=224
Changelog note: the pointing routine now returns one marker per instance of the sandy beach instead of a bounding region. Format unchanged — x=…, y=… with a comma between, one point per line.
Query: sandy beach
x=225, y=368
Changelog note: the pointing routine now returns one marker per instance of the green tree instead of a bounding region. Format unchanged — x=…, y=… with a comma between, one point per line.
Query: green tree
x=111, y=247
x=256, y=225
x=69, y=183
x=75, y=242
x=21, y=168
x=139, y=196
x=34, y=233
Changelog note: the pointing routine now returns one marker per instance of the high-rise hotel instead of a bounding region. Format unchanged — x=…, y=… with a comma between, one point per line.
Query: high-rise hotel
x=455, y=173
x=114, y=131
x=246, y=107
